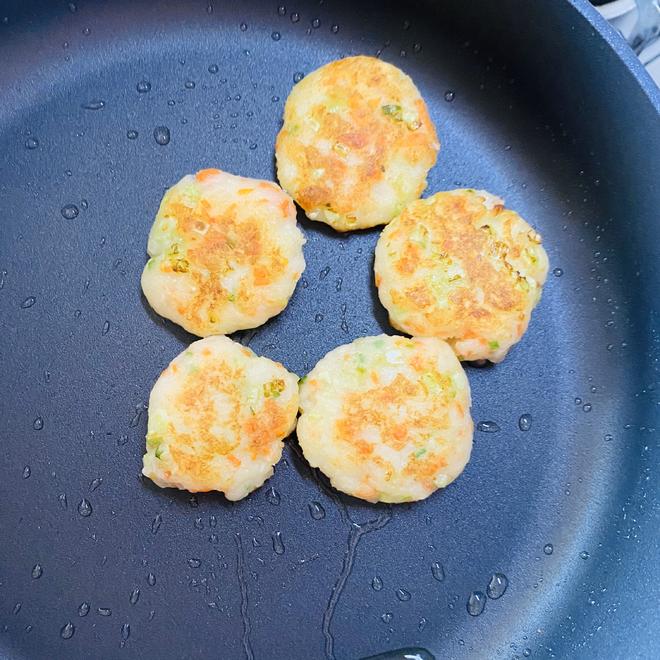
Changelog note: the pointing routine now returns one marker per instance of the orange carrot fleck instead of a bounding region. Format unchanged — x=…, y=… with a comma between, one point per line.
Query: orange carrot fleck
x=202, y=175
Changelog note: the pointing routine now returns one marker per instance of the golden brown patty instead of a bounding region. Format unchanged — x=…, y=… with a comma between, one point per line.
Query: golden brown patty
x=461, y=267
x=217, y=417
x=387, y=418
x=356, y=144
x=226, y=253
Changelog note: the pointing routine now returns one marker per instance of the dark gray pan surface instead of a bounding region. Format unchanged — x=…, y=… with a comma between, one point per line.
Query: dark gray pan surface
x=533, y=102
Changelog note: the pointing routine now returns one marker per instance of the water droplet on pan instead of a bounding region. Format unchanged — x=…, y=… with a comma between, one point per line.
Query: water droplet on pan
x=37, y=571
x=31, y=143
x=139, y=410
x=497, y=586
x=438, y=571
x=151, y=579
x=525, y=422
x=189, y=84
x=125, y=631
x=214, y=68
x=84, y=508
x=476, y=603
x=298, y=76
x=403, y=595
x=450, y=95
x=488, y=427
x=67, y=630
x=273, y=496
x=83, y=609
x=103, y=611
x=281, y=10
x=93, y=105
x=132, y=135
x=194, y=563
x=557, y=272
x=387, y=617
x=156, y=523
x=316, y=510
x=278, y=544
x=377, y=583
x=162, y=135
x=62, y=499
x=106, y=328
x=28, y=302
x=275, y=36
x=135, y=596
x=27, y=472
x=38, y=424
x=69, y=212
x=143, y=86
x=243, y=27
x=295, y=17
x=548, y=549
x=584, y=555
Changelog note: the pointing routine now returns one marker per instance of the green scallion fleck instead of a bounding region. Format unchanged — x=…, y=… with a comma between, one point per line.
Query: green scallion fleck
x=393, y=111
x=274, y=388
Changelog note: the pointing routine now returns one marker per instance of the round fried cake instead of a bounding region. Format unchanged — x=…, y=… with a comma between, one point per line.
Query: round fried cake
x=387, y=418
x=217, y=418
x=226, y=253
x=356, y=144
x=461, y=267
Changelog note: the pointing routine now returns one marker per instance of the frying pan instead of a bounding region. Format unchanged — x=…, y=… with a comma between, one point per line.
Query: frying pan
x=104, y=105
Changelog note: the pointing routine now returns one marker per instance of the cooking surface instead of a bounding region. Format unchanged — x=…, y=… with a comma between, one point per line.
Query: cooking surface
x=564, y=510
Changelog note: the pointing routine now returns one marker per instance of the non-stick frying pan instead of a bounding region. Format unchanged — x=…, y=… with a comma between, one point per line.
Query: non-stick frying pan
x=103, y=106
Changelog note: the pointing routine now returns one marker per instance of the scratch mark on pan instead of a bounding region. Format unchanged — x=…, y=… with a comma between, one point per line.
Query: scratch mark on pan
x=240, y=571
x=354, y=536
x=355, y=533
